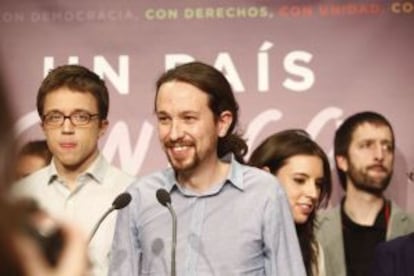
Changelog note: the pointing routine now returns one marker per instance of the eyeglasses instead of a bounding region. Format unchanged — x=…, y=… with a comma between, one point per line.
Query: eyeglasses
x=78, y=118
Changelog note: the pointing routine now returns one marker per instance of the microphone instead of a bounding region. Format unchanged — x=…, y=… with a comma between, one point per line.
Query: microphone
x=164, y=199
x=121, y=201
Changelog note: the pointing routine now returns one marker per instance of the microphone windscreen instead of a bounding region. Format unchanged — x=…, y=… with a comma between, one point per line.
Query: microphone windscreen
x=121, y=201
x=163, y=197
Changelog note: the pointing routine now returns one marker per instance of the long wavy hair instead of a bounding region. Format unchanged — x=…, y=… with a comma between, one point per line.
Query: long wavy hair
x=274, y=153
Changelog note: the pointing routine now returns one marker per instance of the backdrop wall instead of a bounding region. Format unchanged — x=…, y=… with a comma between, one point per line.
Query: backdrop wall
x=302, y=64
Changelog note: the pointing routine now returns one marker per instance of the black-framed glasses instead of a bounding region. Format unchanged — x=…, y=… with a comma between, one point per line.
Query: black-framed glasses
x=77, y=118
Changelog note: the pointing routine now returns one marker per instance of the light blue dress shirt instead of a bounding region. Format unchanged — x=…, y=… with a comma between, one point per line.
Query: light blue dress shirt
x=242, y=226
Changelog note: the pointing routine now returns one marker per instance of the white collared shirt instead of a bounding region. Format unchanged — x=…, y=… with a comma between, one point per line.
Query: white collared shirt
x=96, y=189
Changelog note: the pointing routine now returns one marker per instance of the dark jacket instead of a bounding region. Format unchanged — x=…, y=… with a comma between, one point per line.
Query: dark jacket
x=395, y=257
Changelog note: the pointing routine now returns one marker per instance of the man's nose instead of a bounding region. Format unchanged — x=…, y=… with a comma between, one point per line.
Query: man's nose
x=379, y=152
x=67, y=125
x=176, y=130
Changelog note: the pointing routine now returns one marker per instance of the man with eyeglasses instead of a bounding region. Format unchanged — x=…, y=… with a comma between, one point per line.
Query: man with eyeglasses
x=78, y=184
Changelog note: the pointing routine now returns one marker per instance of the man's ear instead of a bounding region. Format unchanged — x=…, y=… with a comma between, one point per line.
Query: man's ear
x=224, y=123
x=103, y=127
x=42, y=126
x=342, y=162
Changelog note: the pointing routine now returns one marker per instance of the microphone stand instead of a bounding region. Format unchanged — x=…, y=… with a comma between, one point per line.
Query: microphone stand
x=174, y=238
x=121, y=201
x=99, y=223
x=164, y=199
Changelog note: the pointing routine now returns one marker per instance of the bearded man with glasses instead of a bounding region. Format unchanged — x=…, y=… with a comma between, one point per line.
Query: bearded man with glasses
x=78, y=184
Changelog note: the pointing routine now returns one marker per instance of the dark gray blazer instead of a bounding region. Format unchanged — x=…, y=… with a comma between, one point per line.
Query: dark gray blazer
x=329, y=233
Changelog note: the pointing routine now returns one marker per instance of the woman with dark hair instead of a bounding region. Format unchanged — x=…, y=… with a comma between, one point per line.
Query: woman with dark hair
x=303, y=170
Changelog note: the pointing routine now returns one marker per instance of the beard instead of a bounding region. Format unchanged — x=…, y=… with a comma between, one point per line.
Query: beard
x=191, y=159
x=364, y=182
x=183, y=166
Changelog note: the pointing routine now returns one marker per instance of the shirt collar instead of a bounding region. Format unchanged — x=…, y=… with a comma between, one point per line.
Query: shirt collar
x=96, y=170
x=234, y=176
